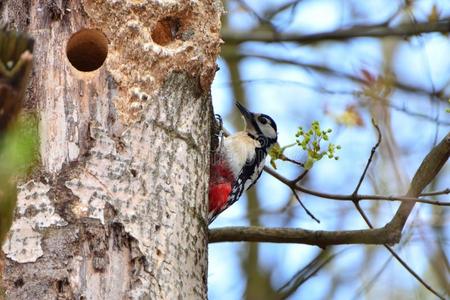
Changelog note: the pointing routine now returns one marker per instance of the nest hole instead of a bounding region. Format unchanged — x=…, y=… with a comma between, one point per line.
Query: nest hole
x=166, y=31
x=87, y=49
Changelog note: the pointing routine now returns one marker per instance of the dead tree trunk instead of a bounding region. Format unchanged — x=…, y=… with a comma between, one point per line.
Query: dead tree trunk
x=116, y=208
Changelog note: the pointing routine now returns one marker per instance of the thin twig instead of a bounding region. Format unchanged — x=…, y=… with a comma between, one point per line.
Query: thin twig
x=350, y=197
x=261, y=20
x=304, y=270
x=370, y=283
x=369, y=161
x=403, y=199
x=300, y=177
x=413, y=273
x=307, y=272
x=436, y=193
x=273, y=12
x=304, y=207
x=426, y=62
x=411, y=113
x=285, y=158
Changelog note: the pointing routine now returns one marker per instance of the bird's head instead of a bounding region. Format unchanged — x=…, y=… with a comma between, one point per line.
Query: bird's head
x=259, y=126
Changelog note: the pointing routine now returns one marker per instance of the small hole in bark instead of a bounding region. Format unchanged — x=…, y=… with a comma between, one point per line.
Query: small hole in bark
x=157, y=227
x=87, y=49
x=19, y=283
x=60, y=285
x=158, y=252
x=166, y=30
x=133, y=172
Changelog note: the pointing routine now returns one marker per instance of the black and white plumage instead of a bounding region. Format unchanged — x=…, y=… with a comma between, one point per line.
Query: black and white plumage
x=240, y=161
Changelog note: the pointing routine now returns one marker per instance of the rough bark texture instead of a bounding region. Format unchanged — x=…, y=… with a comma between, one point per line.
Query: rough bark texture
x=116, y=209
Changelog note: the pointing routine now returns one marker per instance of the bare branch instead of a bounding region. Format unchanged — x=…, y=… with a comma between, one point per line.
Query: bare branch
x=377, y=31
x=430, y=167
x=329, y=71
x=302, y=236
x=389, y=234
x=367, y=220
x=411, y=113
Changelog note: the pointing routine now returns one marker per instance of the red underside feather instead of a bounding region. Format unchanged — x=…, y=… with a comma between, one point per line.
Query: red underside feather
x=221, y=180
x=218, y=195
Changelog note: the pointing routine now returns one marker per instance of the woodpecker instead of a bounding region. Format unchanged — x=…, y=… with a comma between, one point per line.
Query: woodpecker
x=239, y=160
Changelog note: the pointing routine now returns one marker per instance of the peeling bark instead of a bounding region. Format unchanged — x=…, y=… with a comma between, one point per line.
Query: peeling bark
x=117, y=206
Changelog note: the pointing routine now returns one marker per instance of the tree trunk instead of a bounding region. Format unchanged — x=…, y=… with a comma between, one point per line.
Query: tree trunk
x=116, y=209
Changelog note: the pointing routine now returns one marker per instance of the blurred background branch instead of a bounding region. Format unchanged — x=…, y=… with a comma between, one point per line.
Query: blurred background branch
x=403, y=30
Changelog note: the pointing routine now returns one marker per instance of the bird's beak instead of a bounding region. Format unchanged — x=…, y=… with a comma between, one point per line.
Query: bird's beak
x=248, y=116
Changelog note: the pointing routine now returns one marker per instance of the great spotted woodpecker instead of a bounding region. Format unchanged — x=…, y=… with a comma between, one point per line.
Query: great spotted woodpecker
x=239, y=160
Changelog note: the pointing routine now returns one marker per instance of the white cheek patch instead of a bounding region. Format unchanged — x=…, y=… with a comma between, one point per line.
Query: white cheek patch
x=268, y=131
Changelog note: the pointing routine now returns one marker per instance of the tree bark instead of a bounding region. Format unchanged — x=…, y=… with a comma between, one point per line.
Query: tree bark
x=116, y=209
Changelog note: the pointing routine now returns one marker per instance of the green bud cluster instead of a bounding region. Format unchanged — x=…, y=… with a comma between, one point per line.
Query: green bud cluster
x=277, y=152
x=311, y=140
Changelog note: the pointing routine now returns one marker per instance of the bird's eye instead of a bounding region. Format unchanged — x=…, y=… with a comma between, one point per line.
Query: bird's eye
x=262, y=120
